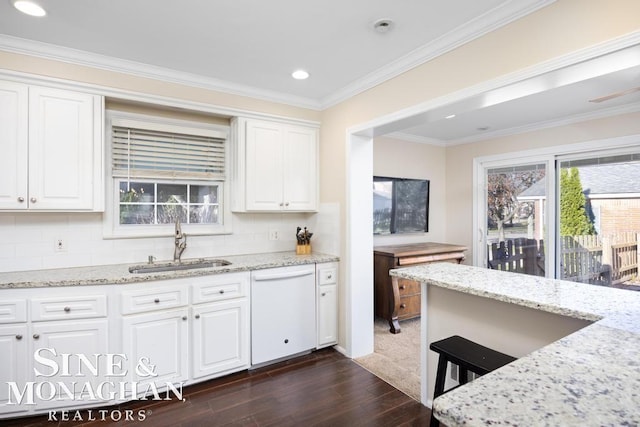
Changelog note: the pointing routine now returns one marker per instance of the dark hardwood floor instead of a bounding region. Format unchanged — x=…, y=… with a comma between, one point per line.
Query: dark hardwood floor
x=323, y=388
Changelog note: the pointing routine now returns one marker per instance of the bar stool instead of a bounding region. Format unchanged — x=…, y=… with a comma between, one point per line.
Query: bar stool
x=468, y=356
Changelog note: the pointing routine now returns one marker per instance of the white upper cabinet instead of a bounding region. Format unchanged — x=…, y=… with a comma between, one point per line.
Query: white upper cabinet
x=275, y=166
x=53, y=143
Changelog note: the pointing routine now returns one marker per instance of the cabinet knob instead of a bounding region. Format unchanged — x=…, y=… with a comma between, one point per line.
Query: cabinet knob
x=281, y=204
x=286, y=341
x=403, y=305
x=33, y=200
x=184, y=317
x=222, y=291
x=329, y=276
x=36, y=336
x=403, y=287
x=18, y=337
x=157, y=300
x=323, y=294
x=286, y=204
x=21, y=199
x=67, y=309
x=197, y=316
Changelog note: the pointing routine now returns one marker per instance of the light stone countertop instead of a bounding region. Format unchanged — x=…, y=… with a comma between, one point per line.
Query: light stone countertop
x=119, y=273
x=589, y=378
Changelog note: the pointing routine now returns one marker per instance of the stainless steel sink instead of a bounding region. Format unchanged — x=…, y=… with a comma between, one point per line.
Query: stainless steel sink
x=178, y=266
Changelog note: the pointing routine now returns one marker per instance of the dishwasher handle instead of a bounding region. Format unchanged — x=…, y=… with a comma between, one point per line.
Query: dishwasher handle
x=260, y=277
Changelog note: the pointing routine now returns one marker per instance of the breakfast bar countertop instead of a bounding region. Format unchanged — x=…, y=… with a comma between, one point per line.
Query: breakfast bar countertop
x=119, y=273
x=589, y=377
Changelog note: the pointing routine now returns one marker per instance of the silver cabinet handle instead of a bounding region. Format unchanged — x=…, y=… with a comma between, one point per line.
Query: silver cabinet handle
x=33, y=200
x=222, y=291
x=157, y=300
x=281, y=204
x=67, y=309
x=184, y=317
x=323, y=294
x=197, y=316
x=21, y=199
x=36, y=336
x=286, y=204
x=18, y=337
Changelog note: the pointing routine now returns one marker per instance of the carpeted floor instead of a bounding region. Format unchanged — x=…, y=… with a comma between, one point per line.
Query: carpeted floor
x=396, y=357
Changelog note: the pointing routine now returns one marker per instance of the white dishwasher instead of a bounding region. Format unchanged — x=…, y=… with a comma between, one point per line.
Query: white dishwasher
x=283, y=312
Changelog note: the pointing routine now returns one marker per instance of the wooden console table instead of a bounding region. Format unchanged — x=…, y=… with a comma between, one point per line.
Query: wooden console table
x=399, y=299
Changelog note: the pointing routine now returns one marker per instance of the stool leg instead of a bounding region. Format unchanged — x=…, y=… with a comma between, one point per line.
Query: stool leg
x=441, y=376
x=463, y=376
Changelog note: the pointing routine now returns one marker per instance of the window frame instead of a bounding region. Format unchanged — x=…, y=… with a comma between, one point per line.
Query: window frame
x=111, y=225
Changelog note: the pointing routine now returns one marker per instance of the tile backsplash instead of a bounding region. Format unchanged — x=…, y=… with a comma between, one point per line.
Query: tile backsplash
x=29, y=239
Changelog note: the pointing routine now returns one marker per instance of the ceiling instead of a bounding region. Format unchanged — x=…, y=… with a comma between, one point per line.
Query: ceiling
x=252, y=47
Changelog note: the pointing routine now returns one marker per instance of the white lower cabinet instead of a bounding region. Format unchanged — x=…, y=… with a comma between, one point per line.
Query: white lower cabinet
x=69, y=337
x=327, y=304
x=220, y=325
x=220, y=338
x=157, y=340
x=14, y=367
x=62, y=326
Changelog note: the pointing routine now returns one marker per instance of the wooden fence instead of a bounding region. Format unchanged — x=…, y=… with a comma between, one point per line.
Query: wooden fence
x=518, y=255
x=589, y=259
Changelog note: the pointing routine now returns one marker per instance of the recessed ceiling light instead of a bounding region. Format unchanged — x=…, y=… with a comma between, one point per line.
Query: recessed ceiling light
x=450, y=116
x=29, y=7
x=300, y=75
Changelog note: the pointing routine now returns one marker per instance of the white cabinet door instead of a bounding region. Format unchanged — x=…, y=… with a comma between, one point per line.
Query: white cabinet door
x=327, y=315
x=275, y=166
x=283, y=312
x=220, y=337
x=264, y=166
x=13, y=145
x=87, y=337
x=327, y=300
x=62, y=149
x=14, y=367
x=160, y=339
x=300, y=154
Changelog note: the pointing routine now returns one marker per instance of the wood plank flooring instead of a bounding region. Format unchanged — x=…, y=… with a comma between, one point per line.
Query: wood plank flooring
x=323, y=388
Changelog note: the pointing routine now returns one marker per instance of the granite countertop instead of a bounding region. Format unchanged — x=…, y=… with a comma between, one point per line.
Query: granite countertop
x=588, y=378
x=119, y=273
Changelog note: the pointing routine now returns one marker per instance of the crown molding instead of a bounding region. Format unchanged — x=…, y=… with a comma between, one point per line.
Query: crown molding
x=483, y=24
x=108, y=63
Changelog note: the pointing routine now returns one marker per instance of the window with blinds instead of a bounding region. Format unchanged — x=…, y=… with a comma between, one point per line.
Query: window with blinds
x=151, y=153
x=165, y=171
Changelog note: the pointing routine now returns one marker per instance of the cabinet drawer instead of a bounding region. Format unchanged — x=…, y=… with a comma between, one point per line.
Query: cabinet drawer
x=79, y=307
x=327, y=276
x=13, y=311
x=223, y=287
x=408, y=287
x=144, y=300
x=409, y=307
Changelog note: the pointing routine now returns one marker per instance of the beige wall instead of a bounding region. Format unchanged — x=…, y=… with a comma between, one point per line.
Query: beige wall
x=393, y=157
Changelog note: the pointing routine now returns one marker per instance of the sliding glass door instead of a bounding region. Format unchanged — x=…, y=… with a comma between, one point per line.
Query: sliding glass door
x=570, y=216
x=513, y=226
x=599, y=219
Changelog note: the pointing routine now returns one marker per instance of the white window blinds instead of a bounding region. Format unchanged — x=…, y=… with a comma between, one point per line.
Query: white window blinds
x=166, y=151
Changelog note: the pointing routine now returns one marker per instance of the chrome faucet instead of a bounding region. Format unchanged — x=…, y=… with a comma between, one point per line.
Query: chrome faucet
x=181, y=245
